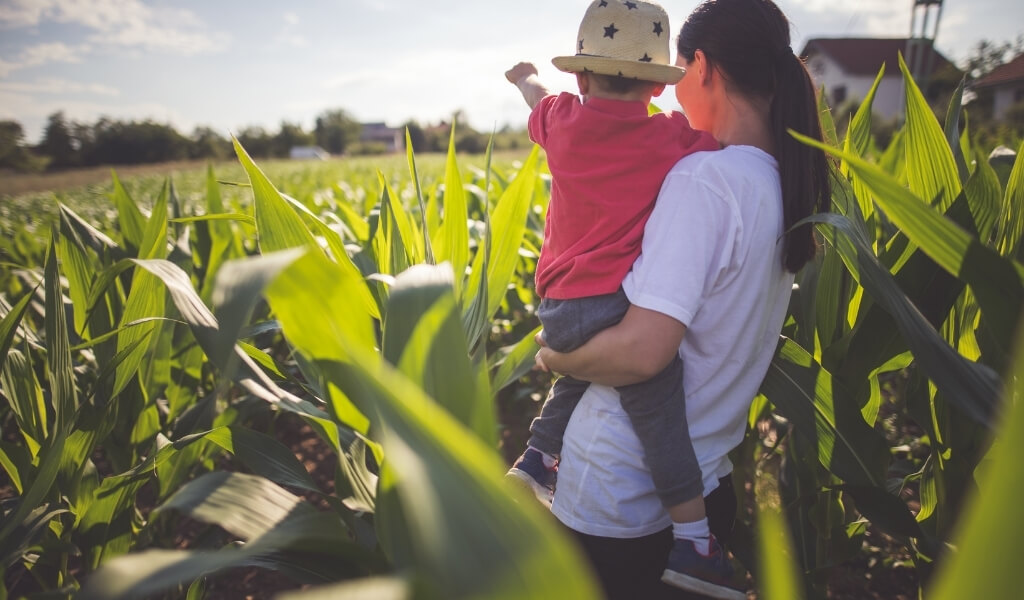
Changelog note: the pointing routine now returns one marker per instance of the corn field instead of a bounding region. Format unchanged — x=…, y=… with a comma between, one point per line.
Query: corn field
x=148, y=354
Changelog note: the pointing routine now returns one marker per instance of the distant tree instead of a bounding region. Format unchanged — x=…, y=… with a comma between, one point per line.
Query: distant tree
x=58, y=143
x=289, y=136
x=13, y=152
x=335, y=130
x=416, y=136
x=136, y=142
x=986, y=55
x=207, y=143
x=256, y=141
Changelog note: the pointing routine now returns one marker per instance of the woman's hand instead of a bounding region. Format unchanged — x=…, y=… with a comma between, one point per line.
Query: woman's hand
x=538, y=360
x=636, y=349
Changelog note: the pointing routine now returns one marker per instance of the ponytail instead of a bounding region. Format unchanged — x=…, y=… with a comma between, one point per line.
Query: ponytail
x=749, y=41
x=803, y=170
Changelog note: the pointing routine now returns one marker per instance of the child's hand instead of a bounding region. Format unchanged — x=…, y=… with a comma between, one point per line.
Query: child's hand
x=521, y=70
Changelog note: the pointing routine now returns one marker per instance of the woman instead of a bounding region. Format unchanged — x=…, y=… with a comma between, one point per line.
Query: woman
x=713, y=284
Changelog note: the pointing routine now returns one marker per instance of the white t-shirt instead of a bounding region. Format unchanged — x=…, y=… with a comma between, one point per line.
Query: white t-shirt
x=712, y=258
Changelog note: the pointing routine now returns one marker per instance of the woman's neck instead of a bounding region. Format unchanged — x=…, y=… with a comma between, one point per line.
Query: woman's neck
x=744, y=122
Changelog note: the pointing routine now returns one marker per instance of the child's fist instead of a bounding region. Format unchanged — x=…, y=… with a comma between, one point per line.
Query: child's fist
x=518, y=72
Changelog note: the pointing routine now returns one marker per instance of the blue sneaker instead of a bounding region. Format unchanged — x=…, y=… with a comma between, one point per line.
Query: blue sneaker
x=709, y=575
x=529, y=472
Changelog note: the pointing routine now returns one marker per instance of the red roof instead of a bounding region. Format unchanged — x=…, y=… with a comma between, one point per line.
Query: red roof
x=864, y=56
x=1008, y=73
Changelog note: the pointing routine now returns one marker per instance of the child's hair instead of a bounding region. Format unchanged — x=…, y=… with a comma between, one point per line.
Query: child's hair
x=620, y=85
x=748, y=41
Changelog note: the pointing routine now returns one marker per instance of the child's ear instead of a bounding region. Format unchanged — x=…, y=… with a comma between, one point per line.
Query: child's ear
x=657, y=90
x=583, y=82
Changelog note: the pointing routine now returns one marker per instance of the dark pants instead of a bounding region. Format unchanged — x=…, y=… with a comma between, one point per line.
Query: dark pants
x=631, y=568
x=656, y=407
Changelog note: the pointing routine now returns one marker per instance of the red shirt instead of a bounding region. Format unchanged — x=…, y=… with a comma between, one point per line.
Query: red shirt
x=607, y=160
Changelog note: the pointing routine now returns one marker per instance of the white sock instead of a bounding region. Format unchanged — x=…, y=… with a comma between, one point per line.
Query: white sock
x=549, y=461
x=695, y=531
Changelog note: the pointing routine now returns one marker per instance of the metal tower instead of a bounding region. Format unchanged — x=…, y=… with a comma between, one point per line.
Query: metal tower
x=924, y=25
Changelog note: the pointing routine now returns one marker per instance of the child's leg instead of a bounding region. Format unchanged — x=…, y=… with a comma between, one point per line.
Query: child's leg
x=568, y=324
x=657, y=411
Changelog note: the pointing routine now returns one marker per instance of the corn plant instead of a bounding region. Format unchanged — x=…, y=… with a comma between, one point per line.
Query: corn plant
x=385, y=317
x=919, y=277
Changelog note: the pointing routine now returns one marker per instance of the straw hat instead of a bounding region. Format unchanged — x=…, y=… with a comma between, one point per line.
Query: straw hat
x=628, y=38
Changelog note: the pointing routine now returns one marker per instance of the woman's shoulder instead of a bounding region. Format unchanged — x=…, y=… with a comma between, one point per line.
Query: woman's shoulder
x=728, y=167
x=734, y=159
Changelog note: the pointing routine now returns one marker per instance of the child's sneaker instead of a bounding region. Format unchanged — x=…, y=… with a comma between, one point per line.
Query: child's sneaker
x=529, y=472
x=710, y=575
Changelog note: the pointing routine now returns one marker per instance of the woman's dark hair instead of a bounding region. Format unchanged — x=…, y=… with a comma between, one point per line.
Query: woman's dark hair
x=748, y=41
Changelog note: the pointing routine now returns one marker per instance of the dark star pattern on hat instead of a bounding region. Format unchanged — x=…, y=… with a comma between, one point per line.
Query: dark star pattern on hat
x=603, y=3
x=581, y=45
x=610, y=31
x=657, y=28
x=631, y=5
x=645, y=58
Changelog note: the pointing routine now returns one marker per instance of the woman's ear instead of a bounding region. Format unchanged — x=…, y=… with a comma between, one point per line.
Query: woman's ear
x=701, y=66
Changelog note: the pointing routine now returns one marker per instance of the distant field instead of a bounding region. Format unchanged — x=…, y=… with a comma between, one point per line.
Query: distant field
x=31, y=199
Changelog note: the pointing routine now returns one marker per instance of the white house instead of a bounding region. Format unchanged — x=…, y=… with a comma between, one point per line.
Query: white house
x=1005, y=84
x=392, y=137
x=847, y=67
x=308, y=152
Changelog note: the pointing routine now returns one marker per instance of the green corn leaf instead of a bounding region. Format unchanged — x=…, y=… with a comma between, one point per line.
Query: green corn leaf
x=507, y=223
x=931, y=168
x=26, y=400
x=996, y=282
x=78, y=269
x=146, y=298
x=828, y=124
x=429, y=251
x=858, y=140
x=130, y=218
x=971, y=386
x=64, y=400
x=423, y=336
x=10, y=324
x=264, y=456
x=983, y=192
x=824, y=413
x=952, y=131
x=468, y=536
x=283, y=533
x=453, y=239
x=984, y=564
x=777, y=574
x=59, y=374
x=513, y=362
x=338, y=251
x=1012, y=220
x=278, y=227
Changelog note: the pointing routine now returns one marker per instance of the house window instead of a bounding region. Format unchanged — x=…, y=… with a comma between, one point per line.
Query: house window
x=838, y=95
x=1018, y=95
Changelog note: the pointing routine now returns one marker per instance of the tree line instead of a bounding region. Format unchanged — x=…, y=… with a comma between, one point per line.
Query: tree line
x=70, y=144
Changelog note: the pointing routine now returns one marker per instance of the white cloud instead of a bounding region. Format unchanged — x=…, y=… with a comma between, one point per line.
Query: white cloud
x=290, y=36
x=57, y=87
x=126, y=23
x=42, y=54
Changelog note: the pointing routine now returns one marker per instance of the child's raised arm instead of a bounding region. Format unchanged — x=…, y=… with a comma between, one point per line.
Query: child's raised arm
x=524, y=76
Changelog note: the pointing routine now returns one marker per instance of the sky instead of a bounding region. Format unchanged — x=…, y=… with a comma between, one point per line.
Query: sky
x=229, y=64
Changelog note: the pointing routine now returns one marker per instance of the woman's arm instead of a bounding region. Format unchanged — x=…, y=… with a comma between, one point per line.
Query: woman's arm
x=636, y=349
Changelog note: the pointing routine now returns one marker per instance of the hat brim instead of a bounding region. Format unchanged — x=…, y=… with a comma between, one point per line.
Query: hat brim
x=601, y=65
